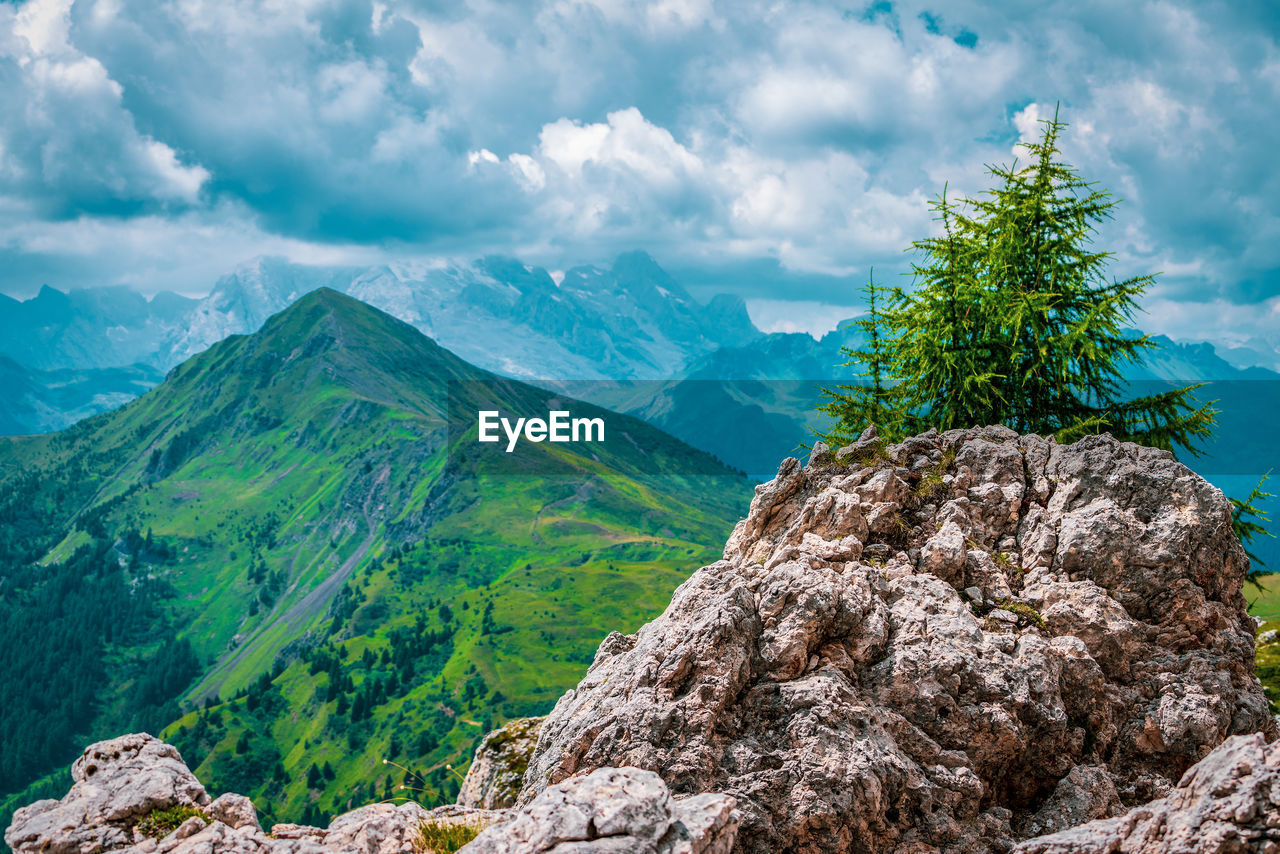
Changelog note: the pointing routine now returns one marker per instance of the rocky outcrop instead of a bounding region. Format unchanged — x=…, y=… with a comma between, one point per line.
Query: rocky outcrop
x=951, y=643
x=120, y=784
x=623, y=810
x=1227, y=804
x=115, y=784
x=497, y=772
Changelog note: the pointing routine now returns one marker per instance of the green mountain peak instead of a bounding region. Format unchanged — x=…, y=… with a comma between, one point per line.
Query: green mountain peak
x=284, y=530
x=327, y=341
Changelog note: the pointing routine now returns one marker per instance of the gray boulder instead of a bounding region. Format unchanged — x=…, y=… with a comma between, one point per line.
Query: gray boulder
x=115, y=784
x=830, y=675
x=119, y=783
x=614, y=811
x=235, y=811
x=1229, y=803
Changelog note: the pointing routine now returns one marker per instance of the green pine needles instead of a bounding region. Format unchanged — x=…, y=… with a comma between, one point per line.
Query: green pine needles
x=1013, y=321
x=1247, y=520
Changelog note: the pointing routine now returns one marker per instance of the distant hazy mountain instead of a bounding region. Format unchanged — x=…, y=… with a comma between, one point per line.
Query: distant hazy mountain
x=1253, y=352
x=1192, y=362
x=90, y=328
x=630, y=320
x=751, y=406
x=44, y=401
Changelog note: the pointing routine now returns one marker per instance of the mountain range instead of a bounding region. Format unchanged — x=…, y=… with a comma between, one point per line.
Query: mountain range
x=630, y=320
x=627, y=337
x=38, y=401
x=588, y=325
x=285, y=557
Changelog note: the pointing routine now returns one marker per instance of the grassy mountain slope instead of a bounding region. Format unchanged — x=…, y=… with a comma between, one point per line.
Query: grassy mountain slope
x=1264, y=604
x=323, y=568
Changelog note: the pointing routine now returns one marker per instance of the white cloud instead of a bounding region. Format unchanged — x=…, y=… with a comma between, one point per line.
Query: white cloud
x=815, y=212
x=529, y=172
x=73, y=110
x=138, y=251
x=799, y=131
x=174, y=179
x=807, y=316
x=484, y=155
x=44, y=25
x=570, y=145
x=680, y=14
x=1028, y=122
x=353, y=91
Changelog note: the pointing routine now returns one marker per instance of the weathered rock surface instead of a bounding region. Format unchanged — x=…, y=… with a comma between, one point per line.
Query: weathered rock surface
x=831, y=676
x=497, y=772
x=615, y=811
x=1227, y=804
x=115, y=784
x=234, y=810
x=379, y=828
x=120, y=782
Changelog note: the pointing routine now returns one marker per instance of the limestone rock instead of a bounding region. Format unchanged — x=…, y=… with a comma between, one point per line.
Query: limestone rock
x=188, y=828
x=286, y=830
x=219, y=838
x=1085, y=794
x=1229, y=803
x=115, y=783
x=614, y=811
x=952, y=644
x=376, y=829
x=384, y=828
x=611, y=810
x=496, y=774
x=234, y=810
x=830, y=675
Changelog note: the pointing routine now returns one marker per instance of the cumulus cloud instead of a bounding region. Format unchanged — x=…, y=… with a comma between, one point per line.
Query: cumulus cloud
x=77, y=148
x=794, y=143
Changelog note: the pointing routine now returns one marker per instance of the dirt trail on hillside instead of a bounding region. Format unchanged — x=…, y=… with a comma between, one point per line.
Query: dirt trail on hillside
x=310, y=606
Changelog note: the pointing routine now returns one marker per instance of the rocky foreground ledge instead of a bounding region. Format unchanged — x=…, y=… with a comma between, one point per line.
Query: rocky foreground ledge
x=122, y=785
x=965, y=642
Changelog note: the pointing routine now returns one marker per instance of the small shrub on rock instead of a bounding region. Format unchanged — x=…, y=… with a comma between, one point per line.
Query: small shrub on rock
x=161, y=823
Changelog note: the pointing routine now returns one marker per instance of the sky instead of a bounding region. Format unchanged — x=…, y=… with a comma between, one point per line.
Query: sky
x=776, y=150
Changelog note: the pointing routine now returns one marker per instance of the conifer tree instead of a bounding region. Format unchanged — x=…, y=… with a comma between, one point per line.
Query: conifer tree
x=1247, y=520
x=869, y=399
x=1013, y=321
